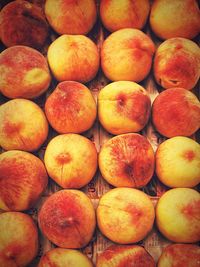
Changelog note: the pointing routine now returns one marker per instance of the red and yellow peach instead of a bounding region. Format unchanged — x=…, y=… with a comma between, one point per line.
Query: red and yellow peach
x=67, y=218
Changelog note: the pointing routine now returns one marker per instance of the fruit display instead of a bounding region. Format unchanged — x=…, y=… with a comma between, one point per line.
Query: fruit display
x=99, y=133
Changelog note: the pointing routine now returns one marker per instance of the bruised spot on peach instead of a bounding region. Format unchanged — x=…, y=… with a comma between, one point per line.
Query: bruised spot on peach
x=11, y=128
x=63, y=158
x=191, y=210
x=189, y=155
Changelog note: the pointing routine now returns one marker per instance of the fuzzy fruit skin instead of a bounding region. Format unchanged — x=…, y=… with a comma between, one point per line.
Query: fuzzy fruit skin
x=71, y=160
x=123, y=107
x=178, y=162
x=125, y=215
x=23, y=178
x=119, y=14
x=63, y=219
x=176, y=112
x=60, y=257
x=177, y=63
x=127, y=160
x=23, y=125
x=177, y=215
x=71, y=108
x=177, y=255
x=73, y=58
x=71, y=17
x=24, y=72
x=183, y=18
x=18, y=239
x=23, y=23
x=123, y=256
x=126, y=55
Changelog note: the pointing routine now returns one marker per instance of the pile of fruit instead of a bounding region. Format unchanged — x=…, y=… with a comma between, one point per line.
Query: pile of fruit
x=86, y=88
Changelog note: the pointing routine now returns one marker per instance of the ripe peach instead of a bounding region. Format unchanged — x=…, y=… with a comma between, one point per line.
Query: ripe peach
x=18, y=239
x=71, y=17
x=177, y=63
x=182, y=17
x=60, y=257
x=73, y=58
x=123, y=107
x=124, y=256
x=125, y=215
x=127, y=160
x=127, y=55
x=23, y=178
x=178, y=162
x=67, y=218
x=23, y=125
x=119, y=14
x=71, y=160
x=177, y=215
x=176, y=112
x=177, y=255
x=71, y=108
x=24, y=72
x=22, y=23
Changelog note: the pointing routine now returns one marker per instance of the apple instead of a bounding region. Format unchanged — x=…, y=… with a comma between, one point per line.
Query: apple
x=71, y=108
x=23, y=23
x=127, y=160
x=177, y=215
x=71, y=160
x=176, y=112
x=177, y=255
x=126, y=55
x=23, y=178
x=71, y=17
x=73, y=58
x=177, y=63
x=67, y=219
x=125, y=215
x=123, y=107
x=23, y=125
x=18, y=239
x=178, y=162
x=119, y=14
x=24, y=72
x=182, y=17
x=60, y=257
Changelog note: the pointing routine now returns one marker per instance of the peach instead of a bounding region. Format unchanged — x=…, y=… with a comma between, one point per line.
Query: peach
x=71, y=17
x=182, y=17
x=22, y=23
x=23, y=178
x=177, y=63
x=24, y=72
x=123, y=107
x=71, y=160
x=71, y=108
x=176, y=112
x=60, y=257
x=18, y=239
x=73, y=58
x=124, y=256
x=127, y=160
x=119, y=14
x=177, y=215
x=127, y=55
x=178, y=162
x=67, y=218
x=23, y=125
x=177, y=255
x=125, y=215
